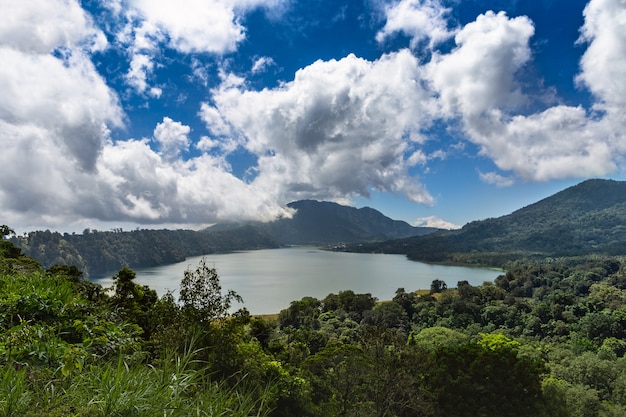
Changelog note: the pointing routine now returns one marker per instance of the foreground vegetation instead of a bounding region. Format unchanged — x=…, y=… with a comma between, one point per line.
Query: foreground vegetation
x=546, y=339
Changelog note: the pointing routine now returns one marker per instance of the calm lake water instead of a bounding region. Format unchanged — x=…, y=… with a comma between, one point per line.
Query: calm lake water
x=268, y=280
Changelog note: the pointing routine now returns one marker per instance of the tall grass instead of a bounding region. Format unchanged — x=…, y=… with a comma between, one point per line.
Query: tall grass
x=41, y=284
x=177, y=387
x=58, y=359
x=171, y=390
x=14, y=395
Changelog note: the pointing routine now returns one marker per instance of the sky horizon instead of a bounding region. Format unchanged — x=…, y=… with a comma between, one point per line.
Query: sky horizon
x=186, y=113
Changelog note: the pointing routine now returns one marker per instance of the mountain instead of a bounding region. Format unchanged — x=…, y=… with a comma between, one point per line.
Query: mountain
x=324, y=223
x=588, y=218
x=313, y=223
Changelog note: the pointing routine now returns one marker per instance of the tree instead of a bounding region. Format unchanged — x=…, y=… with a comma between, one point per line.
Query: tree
x=338, y=372
x=124, y=287
x=434, y=338
x=394, y=375
x=133, y=301
x=590, y=370
x=6, y=231
x=66, y=270
x=485, y=378
x=201, y=294
x=387, y=314
x=301, y=314
x=353, y=304
x=467, y=292
x=438, y=286
x=407, y=301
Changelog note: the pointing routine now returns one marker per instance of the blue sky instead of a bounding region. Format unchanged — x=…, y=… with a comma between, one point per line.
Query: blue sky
x=184, y=113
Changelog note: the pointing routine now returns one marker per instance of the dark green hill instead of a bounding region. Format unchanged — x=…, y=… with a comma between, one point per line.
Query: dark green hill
x=324, y=223
x=98, y=252
x=589, y=218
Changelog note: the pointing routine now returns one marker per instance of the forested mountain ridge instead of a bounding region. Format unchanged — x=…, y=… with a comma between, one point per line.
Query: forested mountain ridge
x=323, y=223
x=588, y=218
x=314, y=223
x=96, y=252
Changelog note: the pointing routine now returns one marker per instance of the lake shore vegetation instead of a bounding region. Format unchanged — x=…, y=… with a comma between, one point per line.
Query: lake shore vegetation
x=547, y=338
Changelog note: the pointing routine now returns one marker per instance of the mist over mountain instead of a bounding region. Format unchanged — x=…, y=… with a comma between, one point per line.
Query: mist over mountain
x=588, y=218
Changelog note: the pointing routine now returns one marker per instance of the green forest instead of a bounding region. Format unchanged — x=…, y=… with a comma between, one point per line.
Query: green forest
x=547, y=338
x=97, y=252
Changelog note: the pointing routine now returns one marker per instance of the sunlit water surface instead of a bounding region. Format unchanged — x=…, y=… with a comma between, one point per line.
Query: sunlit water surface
x=268, y=280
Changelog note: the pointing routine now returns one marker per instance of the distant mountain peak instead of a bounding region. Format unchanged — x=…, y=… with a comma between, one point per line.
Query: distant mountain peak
x=324, y=222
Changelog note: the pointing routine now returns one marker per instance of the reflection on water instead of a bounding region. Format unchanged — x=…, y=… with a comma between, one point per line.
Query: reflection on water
x=268, y=280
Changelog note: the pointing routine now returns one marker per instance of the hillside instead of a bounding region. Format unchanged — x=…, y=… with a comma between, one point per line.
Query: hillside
x=323, y=223
x=314, y=223
x=97, y=252
x=589, y=218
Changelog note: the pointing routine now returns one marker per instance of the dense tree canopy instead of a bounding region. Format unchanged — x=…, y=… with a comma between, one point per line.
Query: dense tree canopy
x=546, y=339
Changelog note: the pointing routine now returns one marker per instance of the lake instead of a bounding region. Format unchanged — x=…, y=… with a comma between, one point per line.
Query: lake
x=268, y=280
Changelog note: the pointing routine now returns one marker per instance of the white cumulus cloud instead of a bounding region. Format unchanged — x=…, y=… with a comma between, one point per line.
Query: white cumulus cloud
x=496, y=179
x=477, y=84
x=172, y=138
x=433, y=221
x=55, y=109
x=137, y=184
x=339, y=128
x=193, y=25
x=421, y=20
x=187, y=26
x=140, y=66
x=62, y=97
x=479, y=75
x=603, y=68
x=40, y=26
x=262, y=64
